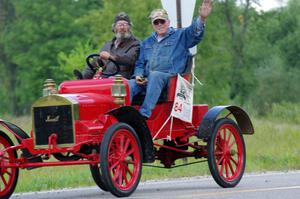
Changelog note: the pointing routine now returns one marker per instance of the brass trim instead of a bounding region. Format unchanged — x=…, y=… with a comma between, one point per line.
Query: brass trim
x=56, y=100
x=49, y=87
x=118, y=84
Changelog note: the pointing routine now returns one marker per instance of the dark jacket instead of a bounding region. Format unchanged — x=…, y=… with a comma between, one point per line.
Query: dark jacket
x=125, y=54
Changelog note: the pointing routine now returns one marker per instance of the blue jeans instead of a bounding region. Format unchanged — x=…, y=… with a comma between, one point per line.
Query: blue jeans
x=156, y=83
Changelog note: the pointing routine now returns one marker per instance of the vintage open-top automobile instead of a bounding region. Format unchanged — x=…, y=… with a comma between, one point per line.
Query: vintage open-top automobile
x=93, y=122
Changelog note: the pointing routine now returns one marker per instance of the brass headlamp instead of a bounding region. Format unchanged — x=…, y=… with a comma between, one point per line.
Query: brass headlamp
x=49, y=87
x=118, y=90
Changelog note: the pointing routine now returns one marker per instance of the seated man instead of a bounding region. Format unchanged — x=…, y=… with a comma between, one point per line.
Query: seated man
x=164, y=54
x=123, y=49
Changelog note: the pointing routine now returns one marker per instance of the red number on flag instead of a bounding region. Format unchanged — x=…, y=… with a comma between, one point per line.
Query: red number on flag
x=178, y=107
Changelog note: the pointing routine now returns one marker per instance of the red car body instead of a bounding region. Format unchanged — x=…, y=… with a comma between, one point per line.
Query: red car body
x=82, y=124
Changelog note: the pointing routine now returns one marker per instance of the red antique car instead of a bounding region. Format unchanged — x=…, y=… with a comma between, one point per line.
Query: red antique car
x=92, y=122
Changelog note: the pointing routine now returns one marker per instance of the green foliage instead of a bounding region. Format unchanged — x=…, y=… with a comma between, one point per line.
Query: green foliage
x=102, y=20
x=244, y=57
x=40, y=30
x=274, y=87
x=68, y=62
x=274, y=52
x=213, y=62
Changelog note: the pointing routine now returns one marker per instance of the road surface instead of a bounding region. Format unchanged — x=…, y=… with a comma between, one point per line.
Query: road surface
x=274, y=185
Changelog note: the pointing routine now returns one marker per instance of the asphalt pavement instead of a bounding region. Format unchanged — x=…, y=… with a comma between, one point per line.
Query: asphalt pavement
x=270, y=185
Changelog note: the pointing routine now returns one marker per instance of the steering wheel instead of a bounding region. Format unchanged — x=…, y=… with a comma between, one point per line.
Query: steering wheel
x=93, y=62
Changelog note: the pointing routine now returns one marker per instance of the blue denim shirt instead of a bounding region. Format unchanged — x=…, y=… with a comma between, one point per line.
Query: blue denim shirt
x=171, y=53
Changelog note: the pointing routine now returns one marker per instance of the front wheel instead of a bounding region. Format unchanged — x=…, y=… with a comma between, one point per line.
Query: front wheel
x=226, y=153
x=121, y=159
x=97, y=175
x=8, y=176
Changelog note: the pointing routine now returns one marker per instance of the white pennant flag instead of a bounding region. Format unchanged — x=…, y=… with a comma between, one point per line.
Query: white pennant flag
x=183, y=101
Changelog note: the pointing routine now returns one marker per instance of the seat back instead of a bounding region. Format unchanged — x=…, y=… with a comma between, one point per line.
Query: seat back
x=188, y=66
x=171, y=88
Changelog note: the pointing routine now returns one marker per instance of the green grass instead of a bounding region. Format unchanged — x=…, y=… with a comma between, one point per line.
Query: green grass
x=274, y=146
x=54, y=178
x=75, y=176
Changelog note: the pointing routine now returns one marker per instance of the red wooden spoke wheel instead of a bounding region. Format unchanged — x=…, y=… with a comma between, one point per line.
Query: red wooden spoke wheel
x=121, y=159
x=8, y=176
x=226, y=153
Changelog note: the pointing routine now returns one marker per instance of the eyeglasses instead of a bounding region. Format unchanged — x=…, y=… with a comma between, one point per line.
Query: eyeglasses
x=159, y=21
x=122, y=24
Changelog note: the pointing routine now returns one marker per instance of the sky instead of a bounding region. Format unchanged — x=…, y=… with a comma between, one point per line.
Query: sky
x=270, y=4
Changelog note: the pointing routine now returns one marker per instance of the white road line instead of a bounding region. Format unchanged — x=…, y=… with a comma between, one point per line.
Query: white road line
x=175, y=180
x=238, y=191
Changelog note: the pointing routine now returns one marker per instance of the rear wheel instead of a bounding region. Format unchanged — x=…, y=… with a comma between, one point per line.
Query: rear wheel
x=226, y=153
x=8, y=176
x=121, y=159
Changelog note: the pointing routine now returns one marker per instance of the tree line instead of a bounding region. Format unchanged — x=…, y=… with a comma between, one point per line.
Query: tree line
x=247, y=57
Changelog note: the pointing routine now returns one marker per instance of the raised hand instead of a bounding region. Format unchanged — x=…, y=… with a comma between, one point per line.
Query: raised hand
x=205, y=9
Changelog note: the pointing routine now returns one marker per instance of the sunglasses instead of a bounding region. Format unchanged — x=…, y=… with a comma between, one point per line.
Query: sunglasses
x=159, y=21
x=122, y=24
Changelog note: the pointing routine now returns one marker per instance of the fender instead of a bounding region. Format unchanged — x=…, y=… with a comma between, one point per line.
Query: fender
x=20, y=135
x=15, y=130
x=132, y=117
x=207, y=124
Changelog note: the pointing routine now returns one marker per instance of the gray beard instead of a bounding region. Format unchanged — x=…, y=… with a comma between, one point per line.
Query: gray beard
x=122, y=36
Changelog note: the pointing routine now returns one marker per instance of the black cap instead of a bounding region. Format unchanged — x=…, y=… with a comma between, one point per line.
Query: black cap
x=122, y=16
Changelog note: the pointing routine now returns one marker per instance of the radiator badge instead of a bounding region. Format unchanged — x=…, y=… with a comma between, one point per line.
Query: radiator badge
x=49, y=119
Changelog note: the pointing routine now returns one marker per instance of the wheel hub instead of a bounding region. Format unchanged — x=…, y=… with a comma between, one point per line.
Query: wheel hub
x=232, y=152
x=128, y=159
